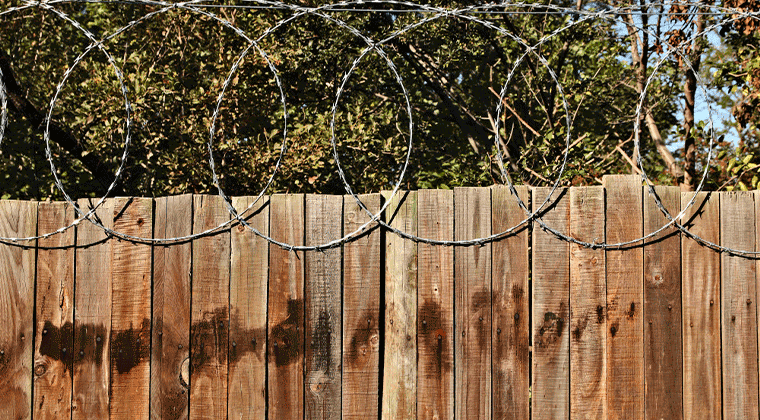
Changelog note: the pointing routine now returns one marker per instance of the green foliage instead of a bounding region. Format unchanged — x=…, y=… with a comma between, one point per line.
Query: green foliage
x=175, y=65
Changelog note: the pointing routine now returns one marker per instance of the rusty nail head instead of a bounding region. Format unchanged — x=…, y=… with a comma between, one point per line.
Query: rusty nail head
x=462, y=333
x=424, y=322
x=440, y=337
x=64, y=350
x=98, y=339
x=711, y=302
x=480, y=318
x=81, y=353
x=670, y=307
x=44, y=332
x=160, y=333
x=253, y=341
x=517, y=315
x=749, y=301
x=498, y=331
x=179, y=346
x=234, y=344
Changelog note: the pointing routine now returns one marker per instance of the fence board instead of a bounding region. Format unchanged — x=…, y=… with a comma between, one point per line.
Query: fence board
x=400, y=364
x=248, y=312
x=286, y=309
x=92, y=316
x=701, y=309
x=17, y=266
x=131, y=310
x=54, y=313
x=588, y=300
x=739, y=316
x=510, y=330
x=472, y=305
x=551, y=309
x=662, y=309
x=361, y=312
x=170, y=349
x=323, y=307
x=625, y=298
x=209, y=331
x=435, y=295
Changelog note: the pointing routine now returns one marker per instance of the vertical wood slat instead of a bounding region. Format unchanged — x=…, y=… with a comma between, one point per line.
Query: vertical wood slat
x=131, y=310
x=739, y=315
x=551, y=309
x=472, y=305
x=17, y=266
x=435, y=295
x=625, y=298
x=361, y=312
x=588, y=301
x=701, y=309
x=54, y=313
x=400, y=359
x=510, y=330
x=209, y=331
x=170, y=349
x=248, y=312
x=662, y=308
x=92, y=316
x=323, y=308
x=286, y=309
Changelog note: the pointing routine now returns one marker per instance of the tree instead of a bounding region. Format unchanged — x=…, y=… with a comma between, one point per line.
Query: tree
x=453, y=69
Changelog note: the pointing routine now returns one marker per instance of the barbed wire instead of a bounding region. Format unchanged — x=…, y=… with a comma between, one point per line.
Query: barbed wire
x=426, y=14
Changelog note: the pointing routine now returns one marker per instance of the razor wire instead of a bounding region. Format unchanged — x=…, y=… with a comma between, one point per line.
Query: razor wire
x=428, y=14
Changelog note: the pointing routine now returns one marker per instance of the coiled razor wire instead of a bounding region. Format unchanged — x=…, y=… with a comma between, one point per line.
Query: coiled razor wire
x=467, y=13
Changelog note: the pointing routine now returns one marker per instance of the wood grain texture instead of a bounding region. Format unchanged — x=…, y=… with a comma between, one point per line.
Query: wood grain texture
x=625, y=298
x=701, y=309
x=551, y=308
x=209, y=331
x=472, y=304
x=662, y=309
x=435, y=294
x=510, y=331
x=131, y=310
x=92, y=316
x=170, y=349
x=323, y=307
x=588, y=300
x=739, y=314
x=54, y=313
x=248, y=313
x=286, y=309
x=400, y=361
x=18, y=219
x=361, y=312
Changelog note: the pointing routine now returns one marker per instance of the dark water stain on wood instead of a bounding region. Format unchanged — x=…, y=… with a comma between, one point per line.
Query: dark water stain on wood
x=89, y=343
x=599, y=314
x=580, y=327
x=208, y=337
x=321, y=343
x=244, y=340
x=517, y=293
x=480, y=299
x=285, y=339
x=365, y=337
x=632, y=311
x=432, y=331
x=54, y=340
x=552, y=327
x=130, y=347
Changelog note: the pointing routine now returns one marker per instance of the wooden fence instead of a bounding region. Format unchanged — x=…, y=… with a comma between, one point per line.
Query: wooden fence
x=227, y=326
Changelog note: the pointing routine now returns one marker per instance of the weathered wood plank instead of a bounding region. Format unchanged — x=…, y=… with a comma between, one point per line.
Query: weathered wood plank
x=510, y=331
x=17, y=265
x=131, y=310
x=361, y=312
x=400, y=368
x=54, y=314
x=323, y=307
x=739, y=315
x=92, y=316
x=170, y=349
x=625, y=298
x=551, y=309
x=286, y=309
x=588, y=300
x=701, y=309
x=472, y=304
x=209, y=333
x=435, y=320
x=662, y=309
x=248, y=313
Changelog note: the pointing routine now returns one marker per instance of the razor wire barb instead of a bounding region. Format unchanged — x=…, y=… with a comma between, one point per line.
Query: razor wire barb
x=475, y=14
